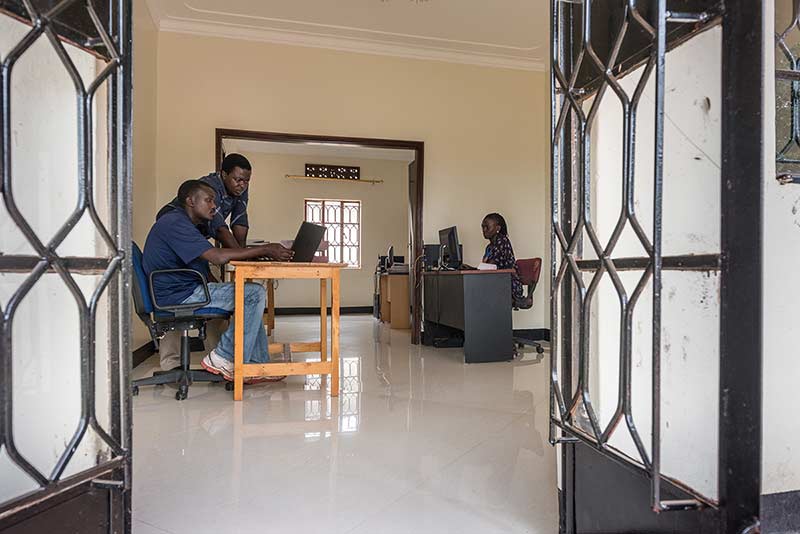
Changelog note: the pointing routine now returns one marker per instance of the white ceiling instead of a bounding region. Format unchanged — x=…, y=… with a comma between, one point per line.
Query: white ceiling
x=502, y=33
x=317, y=150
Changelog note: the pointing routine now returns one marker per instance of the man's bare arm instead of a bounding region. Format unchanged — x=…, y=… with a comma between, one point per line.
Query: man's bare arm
x=219, y=256
x=240, y=234
x=227, y=239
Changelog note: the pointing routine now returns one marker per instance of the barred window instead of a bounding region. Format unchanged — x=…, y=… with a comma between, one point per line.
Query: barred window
x=342, y=219
x=341, y=172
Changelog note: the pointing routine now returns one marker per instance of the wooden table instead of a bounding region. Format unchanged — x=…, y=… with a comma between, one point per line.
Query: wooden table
x=252, y=270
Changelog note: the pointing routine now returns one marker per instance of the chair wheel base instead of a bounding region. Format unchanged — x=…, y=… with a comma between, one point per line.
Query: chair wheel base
x=182, y=393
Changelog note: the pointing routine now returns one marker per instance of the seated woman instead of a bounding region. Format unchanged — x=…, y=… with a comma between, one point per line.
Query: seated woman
x=500, y=252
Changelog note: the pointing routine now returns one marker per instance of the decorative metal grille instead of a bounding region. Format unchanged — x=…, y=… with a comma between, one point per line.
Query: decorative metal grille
x=105, y=32
x=579, y=74
x=342, y=220
x=787, y=95
x=342, y=172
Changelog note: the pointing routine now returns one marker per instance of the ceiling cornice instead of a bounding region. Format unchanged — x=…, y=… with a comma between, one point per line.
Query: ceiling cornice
x=154, y=11
x=374, y=47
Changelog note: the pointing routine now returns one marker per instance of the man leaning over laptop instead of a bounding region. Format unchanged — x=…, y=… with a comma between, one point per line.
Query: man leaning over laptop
x=175, y=242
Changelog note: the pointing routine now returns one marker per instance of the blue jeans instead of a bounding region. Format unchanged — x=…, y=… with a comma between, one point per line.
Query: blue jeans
x=256, y=346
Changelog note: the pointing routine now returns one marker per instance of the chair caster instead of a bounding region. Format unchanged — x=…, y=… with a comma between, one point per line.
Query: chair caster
x=182, y=393
x=539, y=350
x=228, y=386
x=135, y=391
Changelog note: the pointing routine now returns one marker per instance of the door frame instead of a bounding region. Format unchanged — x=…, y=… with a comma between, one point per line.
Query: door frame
x=418, y=147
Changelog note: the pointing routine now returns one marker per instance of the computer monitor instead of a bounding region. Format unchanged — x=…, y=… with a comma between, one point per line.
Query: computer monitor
x=431, y=260
x=451, y=252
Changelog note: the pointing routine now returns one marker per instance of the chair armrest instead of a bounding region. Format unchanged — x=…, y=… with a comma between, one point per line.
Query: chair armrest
x=176, y=308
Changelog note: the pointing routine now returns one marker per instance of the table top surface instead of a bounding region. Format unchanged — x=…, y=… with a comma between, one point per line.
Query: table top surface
x=283, y=264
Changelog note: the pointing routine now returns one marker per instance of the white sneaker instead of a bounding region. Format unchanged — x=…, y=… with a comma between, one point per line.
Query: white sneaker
x=216, y=364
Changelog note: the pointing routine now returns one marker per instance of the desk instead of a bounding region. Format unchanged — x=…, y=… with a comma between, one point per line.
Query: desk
x=476, y=302
x=252, y=270
x=395, y=306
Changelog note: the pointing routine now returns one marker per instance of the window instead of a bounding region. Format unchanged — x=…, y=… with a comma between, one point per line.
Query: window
x=342, y=219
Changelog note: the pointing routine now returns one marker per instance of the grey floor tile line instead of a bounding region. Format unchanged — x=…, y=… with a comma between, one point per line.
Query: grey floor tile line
x=153, y=526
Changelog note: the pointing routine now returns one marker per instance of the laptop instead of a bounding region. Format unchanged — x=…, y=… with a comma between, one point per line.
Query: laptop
x=305, y=245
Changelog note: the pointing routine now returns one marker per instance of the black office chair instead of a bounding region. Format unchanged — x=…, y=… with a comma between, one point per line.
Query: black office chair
x=529, y=271
x=162, y=319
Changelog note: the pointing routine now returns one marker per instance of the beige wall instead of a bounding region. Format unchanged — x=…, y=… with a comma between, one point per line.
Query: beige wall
x=484, y=129
x=277, y=210
x=145, y=111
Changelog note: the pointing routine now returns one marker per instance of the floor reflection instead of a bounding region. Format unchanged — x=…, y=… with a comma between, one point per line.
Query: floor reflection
x=416, y=441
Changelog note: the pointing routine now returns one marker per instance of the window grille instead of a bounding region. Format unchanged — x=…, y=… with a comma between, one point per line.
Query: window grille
x=341, y=172
x=787, y=97
x=342, y=220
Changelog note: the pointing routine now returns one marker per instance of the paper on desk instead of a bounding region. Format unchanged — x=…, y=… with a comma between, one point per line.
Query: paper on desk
x=487, y=267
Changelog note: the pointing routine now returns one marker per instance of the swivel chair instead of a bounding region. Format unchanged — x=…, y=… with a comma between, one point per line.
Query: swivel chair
x=529, y=271
x=160, y=319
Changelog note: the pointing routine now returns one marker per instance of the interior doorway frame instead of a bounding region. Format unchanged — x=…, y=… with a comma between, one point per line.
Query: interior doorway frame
x=415, y=267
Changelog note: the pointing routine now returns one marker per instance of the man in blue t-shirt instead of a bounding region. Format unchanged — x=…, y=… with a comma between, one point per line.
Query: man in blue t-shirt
x=175, y=242
x=230, y=186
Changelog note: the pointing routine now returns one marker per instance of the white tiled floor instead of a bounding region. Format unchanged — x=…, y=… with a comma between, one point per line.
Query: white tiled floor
x=417, y=442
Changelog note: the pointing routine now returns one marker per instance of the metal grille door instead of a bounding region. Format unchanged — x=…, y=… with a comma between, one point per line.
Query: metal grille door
x=46, y=285
x=595, y=46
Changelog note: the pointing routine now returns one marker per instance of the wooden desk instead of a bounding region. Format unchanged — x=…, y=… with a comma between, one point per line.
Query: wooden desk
x=251, y=270
x=395, y=306
x=478, y=303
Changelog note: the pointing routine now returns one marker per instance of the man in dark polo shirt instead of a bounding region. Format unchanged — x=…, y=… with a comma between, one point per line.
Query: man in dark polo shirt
x=230, y=186
x=175, y=242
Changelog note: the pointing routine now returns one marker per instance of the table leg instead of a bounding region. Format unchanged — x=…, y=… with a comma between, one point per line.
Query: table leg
x=270, y=306
x=238, y=336
x=335, y=335
x=323, y=319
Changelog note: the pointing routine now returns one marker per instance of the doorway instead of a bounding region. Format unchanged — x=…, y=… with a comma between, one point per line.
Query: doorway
x=415, y=173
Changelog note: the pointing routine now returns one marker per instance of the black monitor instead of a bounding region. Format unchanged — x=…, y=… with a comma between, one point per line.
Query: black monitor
x=432, y=255
x=451, y=252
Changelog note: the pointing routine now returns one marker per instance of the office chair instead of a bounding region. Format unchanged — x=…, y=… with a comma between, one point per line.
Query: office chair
x=529, y=271
x=162, y=319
